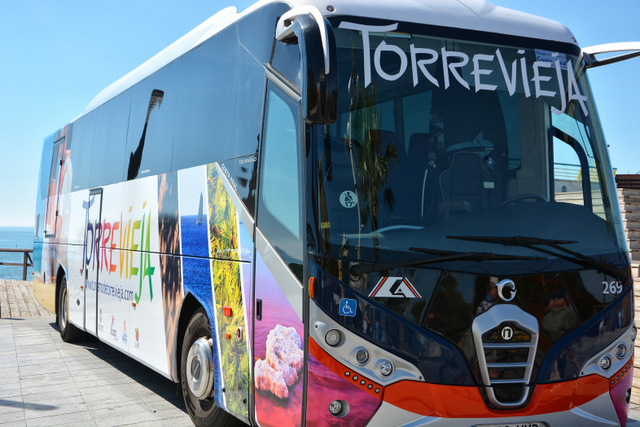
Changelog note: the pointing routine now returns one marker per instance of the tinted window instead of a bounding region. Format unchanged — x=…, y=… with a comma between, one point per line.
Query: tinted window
x=53, y=190
x=280, y=174
x=286, y=60
x=81, y=148
x=151, y=124
x=219, y=109
x=256, y=31
x=279, y=211
x=45, y=166
x=109, y=142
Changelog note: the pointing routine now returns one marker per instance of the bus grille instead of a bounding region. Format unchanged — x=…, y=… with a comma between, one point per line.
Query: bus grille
x=506, y=339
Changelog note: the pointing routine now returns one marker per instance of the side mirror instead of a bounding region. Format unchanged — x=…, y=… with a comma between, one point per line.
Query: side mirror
x=318, y=61
x=627, y=50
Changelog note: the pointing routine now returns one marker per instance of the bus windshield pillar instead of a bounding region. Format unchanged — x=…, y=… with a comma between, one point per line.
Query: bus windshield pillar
x=317, y=46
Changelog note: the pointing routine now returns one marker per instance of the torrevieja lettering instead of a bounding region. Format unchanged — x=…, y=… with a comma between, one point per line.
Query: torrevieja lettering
x=550, y=75
x=121, y=248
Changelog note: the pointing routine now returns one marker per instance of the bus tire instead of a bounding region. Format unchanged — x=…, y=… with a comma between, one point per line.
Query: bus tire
x=203, y=412
x=68, y=332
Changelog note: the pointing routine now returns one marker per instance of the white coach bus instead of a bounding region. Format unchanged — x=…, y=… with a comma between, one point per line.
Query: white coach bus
x=329, y=213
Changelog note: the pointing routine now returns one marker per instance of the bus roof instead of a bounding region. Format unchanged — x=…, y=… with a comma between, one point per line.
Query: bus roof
x=477, y=15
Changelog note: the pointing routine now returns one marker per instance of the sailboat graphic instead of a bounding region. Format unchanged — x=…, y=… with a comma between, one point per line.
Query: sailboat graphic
x=199, y=222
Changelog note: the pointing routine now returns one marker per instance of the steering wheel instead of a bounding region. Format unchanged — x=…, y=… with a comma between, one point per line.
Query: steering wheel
x=521, y=198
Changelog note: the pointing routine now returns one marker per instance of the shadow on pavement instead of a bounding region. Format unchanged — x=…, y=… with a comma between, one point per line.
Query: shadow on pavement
x=131, y=368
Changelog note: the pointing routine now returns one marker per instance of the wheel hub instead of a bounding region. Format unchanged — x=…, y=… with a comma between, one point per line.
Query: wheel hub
x=63, y=309
x=200, y=368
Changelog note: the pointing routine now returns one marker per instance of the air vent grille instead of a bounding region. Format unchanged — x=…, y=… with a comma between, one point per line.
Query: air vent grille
x=506, y=339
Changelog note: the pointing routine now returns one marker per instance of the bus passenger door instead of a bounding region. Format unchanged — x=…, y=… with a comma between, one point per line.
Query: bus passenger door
x=279, y=384
x=91, y=259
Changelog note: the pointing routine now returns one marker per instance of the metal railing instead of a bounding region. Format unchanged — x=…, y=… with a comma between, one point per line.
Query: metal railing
x=27, y=261
x=571, y=172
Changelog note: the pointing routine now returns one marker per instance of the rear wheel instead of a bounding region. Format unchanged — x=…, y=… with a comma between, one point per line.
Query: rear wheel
x=196, y=375
x=68, y=332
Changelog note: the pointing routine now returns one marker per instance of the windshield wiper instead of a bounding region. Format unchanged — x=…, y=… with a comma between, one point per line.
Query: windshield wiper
x=532, y=242
x=359, y=269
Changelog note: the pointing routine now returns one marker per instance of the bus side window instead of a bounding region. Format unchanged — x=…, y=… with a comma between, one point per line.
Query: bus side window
x=53, y=189
x=45, y=167
x=286, y=60
x=567, y=174
x=107, y=155
x=576, y=179
x=81, y=142
x=279, y=200
x=151, y=130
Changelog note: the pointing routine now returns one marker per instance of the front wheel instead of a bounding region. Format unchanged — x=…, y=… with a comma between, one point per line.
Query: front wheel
x=197, y=375
x=68, y=332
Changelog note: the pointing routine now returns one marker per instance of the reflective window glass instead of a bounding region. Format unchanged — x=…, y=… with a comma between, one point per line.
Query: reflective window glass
x=279, y=208
x=107, y=162
x=83, y=131
x=280, y=174
x=219, y=110
x=53, y=190
x=45, y=166
x=151, y=124
x=286, y=60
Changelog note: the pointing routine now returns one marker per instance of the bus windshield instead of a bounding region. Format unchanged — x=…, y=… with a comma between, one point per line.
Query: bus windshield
x=440, y=137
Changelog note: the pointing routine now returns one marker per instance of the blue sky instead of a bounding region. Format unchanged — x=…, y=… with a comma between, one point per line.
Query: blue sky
x=57, y=55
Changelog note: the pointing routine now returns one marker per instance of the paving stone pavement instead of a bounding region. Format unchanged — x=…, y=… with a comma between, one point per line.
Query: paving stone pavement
x=47, y=382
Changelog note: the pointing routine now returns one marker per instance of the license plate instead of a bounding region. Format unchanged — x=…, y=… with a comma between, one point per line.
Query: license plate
x=527, y=424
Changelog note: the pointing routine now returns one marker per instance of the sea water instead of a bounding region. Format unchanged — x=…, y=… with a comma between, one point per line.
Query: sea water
x=15, y=238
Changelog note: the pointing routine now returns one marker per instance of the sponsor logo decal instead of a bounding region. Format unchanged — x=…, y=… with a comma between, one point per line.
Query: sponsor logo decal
x=137, y=343
x=114, y=334
x=100, y=327
x=394, y=287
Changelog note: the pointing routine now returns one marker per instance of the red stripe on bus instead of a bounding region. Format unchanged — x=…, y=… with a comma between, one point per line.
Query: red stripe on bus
x=339, y=369
x=449, y=401
x=406, y=282
x=375, y=291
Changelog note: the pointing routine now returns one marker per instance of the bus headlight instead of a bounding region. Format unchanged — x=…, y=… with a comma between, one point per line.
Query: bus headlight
x=362, y=356
x=386, y=368
x=605, y=363
x=333, y=337
x=621, y=350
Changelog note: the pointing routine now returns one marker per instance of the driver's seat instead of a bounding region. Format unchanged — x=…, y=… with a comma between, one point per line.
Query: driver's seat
x=466, y=185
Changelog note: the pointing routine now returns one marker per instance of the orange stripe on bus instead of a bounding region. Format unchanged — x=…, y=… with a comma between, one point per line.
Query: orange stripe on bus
x=339, y=369
x=448, y=401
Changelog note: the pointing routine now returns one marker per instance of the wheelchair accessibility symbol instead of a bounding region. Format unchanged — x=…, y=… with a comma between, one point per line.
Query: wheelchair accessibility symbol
x=348, y=307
